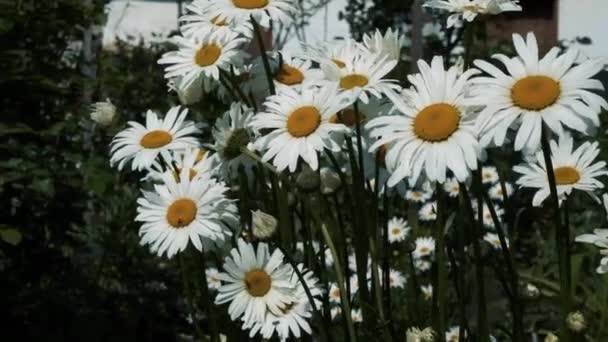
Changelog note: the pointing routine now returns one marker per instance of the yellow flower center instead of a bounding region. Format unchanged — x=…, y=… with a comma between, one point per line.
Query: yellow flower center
x=347, y=117
x=303, y=121
x=381, y=156
x=353, y=80
x=424, y=250
x=289, y=75
x=215, y=21
x=395, y=231
x=566, y=175
x=155, y=139
x=207, y=55
x=181, y=212
x=257, y=282
x=338, y=63
x=437, y=122
x=250, y=4
x=535, y=92
x=335, y=293
x=200, y=155
x=472, y=8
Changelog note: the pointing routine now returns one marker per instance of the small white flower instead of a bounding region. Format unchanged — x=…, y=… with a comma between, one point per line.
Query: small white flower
x=599, y=238
x=428, y=212
x=427, y=291
x=453, y=334
x=419, y=195
x=417, y=335
x=494, y=240
x=396, y=279
x=263, y=225
x=489, y=175
x=398, y=229
x=356, y=315
x=422, y=265
x=469, y=9
x=496, y=191
x=213, y=282
x=452, y=187
x=425, y=246
x=389, y=44
x=103, y=112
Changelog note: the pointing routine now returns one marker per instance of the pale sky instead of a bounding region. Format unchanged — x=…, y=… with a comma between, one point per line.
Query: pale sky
x=576, y=18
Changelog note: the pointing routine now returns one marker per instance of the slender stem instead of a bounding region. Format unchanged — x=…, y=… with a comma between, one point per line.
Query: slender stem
x=359, y=142
x=386, y=262
x=482, y=318
x=561, y=234
x=265, y=62
x=215, y=335
x=249, y=153
x=235, y=87
x=518, y=329
x=441, y=262
x=340, y=280
x=189, y=296
x=343, y=243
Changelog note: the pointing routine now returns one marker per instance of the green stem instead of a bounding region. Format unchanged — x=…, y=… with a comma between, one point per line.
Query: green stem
x=265, y=62
x=189, y=297
x=441, y=262
x=484, y=331
x=561, y=234
x=215, y=335
x=340, y=280
x=249, y=153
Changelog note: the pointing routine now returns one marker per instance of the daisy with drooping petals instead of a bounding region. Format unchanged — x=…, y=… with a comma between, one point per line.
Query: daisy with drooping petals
x=434, y=131
x=425, y=246
x=196, y=160
x=534, y=92
x=300, y=125
x=452, y=187
x=232, y=134
x=254, y=282
x=200, y=20
x=202, y=56
x=294, y=318
x=469, y=9
x=573, y=170
x=398, y=229
x=287, y=71
x=142, y=144
x=599, y=238
x=263, y=11
x=389, y=44
x=362, y=74
x=183, y=210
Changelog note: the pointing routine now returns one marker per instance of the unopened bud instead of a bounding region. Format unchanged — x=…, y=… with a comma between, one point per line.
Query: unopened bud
x=576, y=321
x=330, y=181
x=531, y=291
x=263, y=225
x=308, y=180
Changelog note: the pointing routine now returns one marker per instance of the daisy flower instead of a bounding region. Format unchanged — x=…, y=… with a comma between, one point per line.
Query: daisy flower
x=396, y=279
x=202, y=56
x=469, y=9
x=184, y=210
x=389, y=44
x=337, y=52
x=200, y=20
x=422, y=265
x=213, y=281
x=398, y=229
x=142, y=144
x=421, y=195
x=104, y=112
x=550, y=91
x=334, y=293
x=496, y=191
x=487, y=215
x=362, y=75
x=263, y=11
x=287, y=71
x=452, y=187
x=573, y=170
x=435, y=129
x=489, y=175
x=599, y=238
x=494, y=240
x=197, y=161
x=254, y=282
x=300, y=126
x=294, y=317
x=427, y=291
x=425, y=246
x=356, y=315
x=335, y=312
x=231, y=134
x=428, y=212
x=453, y=334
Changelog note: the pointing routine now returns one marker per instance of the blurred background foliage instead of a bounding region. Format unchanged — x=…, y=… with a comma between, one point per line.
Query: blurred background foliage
x=70, y=261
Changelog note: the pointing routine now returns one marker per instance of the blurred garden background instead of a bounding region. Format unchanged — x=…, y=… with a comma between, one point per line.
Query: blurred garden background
x=71, y=265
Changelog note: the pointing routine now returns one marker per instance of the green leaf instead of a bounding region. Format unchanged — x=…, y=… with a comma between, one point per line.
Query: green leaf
x=11, y=236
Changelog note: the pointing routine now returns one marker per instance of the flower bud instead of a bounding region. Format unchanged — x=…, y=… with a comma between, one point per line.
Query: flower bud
x=103, y=112
x=531, y=291
x=263, y=225
x=330, y=181
x=576, y=321
x=551, y=338
x=308, y=180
